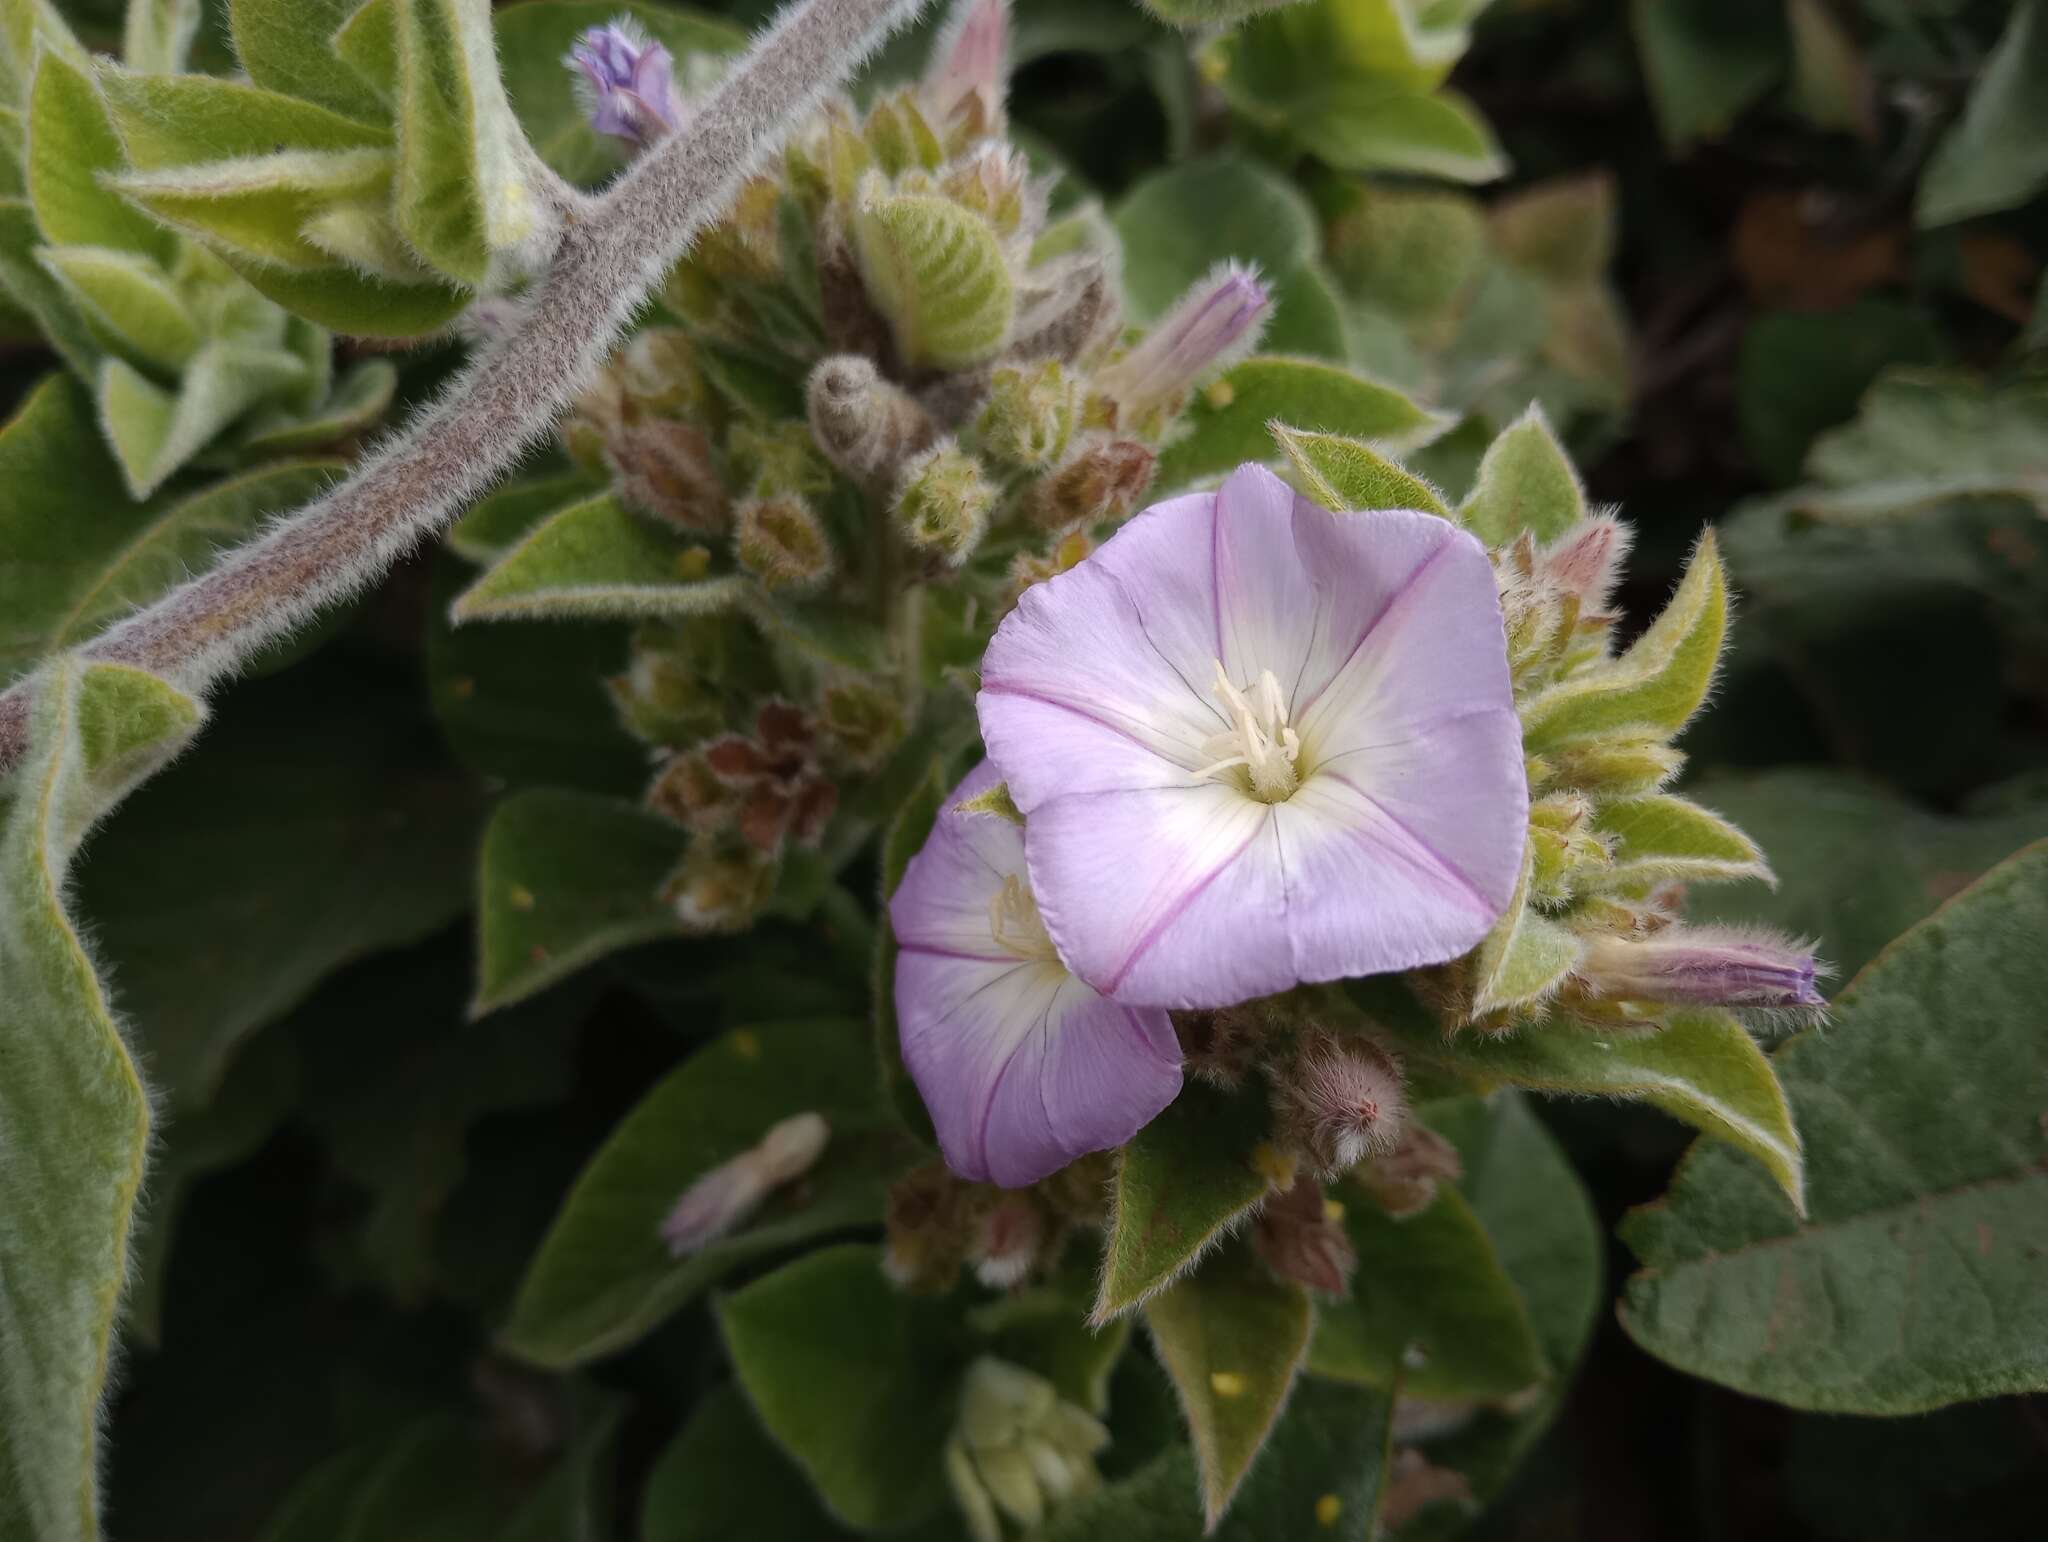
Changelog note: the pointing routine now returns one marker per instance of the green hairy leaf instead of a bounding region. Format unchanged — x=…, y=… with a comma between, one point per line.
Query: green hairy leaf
x=1704, y=67
x=168, y=121
x=1661, y=838
x=1208, y=13
x=603, y=1277
x=936, y=270
x=1525, y=957
x=1183, y=1182
x=595, y=559
x=499, y=522
x=29, y=293
x=1700, y=1067
x=157, y=37
x=1921, y=1104
x=1232, y=1337
x=357, y=404
x=73, y=1111
x=154, y=432
x=1348, y=474
x=71, y=145
x=1662, y=678
x=1526, y=482
x=1431, y=1309
x=129, y=302
x=287, y=46
x=851, y=1378
x=1227, y=424
x=1438, y=136
x=566, y=878
x=722, y=1477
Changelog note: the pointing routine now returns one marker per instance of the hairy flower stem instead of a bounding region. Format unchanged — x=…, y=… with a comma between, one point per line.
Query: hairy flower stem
x=613, y=251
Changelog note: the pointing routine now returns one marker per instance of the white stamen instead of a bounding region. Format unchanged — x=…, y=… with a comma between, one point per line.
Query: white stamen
x=1014, y=923
x=1259, y=739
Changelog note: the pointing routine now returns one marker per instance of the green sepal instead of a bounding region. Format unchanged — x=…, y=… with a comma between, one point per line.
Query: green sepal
x=1525, y=958
x=154, y=432
x=1665, y=838
x=1345, y=475
x=1526, y=483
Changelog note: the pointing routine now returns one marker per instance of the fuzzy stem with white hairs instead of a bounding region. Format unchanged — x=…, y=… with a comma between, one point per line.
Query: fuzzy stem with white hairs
x=613, y=250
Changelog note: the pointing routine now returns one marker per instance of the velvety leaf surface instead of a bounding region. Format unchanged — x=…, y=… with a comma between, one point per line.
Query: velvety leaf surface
x=1914, y=1279
x=595, y=559
x=1701, y=1067
x=1526, y=482
x=1996, y=157
x=1856, y=865
x=1180, y=1185
x=499, y=522
x=722, y=1479
x=1703, y=68
x=853, y=1378
x=566, y=878
x=326, y=828
x=1349, y=474
x=1431, y=1308
x=1228, y=423
x=74, y=1117
x=1232, y=1337
x=604, y=1277
x=287, y=46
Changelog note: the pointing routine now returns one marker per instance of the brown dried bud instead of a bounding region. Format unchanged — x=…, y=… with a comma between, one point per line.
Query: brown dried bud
x=782, y=543
x=1220, y=1046
x=852, y=323
x=768, y=787
x=931, y=1220
x=1299, y=1236
x=720, y=885
x=1099, y=485
x=1071, y=314
x=861, y=722
x=664, y=467
x=866, y=425
x=1339, y=1100
x=1066, y=553
x=1404, y=1180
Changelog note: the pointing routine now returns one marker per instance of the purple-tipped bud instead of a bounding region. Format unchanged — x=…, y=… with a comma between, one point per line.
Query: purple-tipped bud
x=1216, y=323
x=626, y=82
x=1707, y=966
x=1586, y=560
x=724, y=1197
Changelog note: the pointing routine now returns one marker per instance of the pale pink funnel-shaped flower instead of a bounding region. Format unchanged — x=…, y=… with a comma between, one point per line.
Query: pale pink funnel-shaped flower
x=1023, y=1067
x=1258, y=744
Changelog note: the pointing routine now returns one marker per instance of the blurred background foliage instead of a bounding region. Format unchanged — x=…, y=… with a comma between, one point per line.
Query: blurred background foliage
x=1774, y=265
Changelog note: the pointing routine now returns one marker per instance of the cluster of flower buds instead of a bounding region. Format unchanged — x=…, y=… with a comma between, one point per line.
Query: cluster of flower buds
x=938, y=1223
x=1019, y=1450
x=887, y=368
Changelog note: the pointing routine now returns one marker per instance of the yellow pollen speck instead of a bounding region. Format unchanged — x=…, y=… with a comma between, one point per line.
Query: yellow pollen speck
x=1273, y=1164
x=693, y=563
x=1333, y=1212
x=462, y=687
x=746, y=1045
x=1226, y=1384
x=1328, y=1508
x=520, y=898
x=1220, y=395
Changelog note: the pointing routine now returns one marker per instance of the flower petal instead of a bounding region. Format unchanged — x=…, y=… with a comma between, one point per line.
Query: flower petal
x=942, y=905
x=1427, y=634
x=1169, y=898
x=1024, y=1068
x=1081, y=693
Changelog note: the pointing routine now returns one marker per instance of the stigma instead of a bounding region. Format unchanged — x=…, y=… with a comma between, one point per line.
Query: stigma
x=1259, y=741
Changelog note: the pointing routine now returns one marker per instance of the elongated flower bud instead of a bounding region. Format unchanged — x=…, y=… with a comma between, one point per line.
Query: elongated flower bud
x=1217, y=323
x=1030, y=414
x=867, y=426
x=970, y=67
x=625, y=82
x=724, y=1197
x=1340, y=1101
x=1707, y=966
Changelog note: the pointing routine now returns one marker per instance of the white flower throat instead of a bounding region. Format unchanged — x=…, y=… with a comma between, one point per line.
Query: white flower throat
x=1259, y=739
x=1014, y=923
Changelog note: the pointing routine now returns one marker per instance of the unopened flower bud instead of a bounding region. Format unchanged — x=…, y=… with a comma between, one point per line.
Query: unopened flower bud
x=931, y=1220
x=781, y=542
x=1067, y=309
x=724, y=1197
x=1217, y=323
x=867, y=426
x=1340, y=1100
x=1099, y=485
x=1021, y=1447
x=1706, y=966
x=1404, y=1180
x=1030, y=414
x=664, y=695
x=942, y=503
x=1586, y=560
x=861, y=722
x=901, y=137
x=659, y=376
x=964, y=87
x=625, y=82
x=995, y=182
x=1620, y=766
x=1300, y=1239
x=664, y=467
x=1012, y=1237
x=1563, y=844
x=720, y=885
